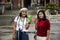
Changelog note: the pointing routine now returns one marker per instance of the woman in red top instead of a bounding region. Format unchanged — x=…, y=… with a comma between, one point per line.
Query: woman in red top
x=43, y=26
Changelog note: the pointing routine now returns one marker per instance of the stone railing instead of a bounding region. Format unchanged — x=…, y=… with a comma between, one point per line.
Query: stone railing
x=3, y=5
x=54, y=18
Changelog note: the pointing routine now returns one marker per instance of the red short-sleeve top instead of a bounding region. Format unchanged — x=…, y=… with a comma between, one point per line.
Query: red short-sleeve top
x=42, y=27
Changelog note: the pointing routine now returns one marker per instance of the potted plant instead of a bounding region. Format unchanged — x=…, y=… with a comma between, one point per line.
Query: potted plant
x=52, y=8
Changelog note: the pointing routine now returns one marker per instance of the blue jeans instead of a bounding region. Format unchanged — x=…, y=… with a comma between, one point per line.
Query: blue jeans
x=21, y=36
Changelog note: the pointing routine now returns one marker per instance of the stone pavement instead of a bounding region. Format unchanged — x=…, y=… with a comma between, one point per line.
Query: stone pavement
x=6, y=32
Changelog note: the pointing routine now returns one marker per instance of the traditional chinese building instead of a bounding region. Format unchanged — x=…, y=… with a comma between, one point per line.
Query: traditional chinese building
x=28, y=3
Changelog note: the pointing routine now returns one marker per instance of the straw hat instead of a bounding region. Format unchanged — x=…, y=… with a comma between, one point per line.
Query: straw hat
x=23, y=9
x=39, y=10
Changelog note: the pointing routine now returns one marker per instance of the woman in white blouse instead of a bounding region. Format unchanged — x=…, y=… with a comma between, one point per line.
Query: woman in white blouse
x=21, y=25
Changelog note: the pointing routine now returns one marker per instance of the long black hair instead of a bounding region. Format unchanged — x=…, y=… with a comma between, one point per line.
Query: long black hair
x=44, y=18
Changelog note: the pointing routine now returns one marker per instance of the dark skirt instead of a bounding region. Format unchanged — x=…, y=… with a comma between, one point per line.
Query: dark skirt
x=22, y=35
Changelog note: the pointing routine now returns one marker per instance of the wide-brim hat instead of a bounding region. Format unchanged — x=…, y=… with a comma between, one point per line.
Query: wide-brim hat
x=23, y=9
x=40, y=10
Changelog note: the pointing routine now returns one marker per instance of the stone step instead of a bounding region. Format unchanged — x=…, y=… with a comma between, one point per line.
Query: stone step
x=16, y=12
x=6, y=33
x=6, y=19
x=11, y=12
x=54, y=28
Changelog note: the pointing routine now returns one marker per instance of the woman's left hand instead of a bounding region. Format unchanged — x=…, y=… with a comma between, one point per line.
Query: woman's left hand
x=48, y=35
x=27, y=25
x=47, y=38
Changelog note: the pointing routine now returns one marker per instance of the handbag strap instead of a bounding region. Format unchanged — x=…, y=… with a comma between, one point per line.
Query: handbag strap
x=22, y=23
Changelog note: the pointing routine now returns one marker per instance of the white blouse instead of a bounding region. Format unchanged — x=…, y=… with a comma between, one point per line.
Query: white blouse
x=21, y=24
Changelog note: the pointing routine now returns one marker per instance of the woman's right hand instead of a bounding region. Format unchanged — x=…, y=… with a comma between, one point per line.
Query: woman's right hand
x=35, y=21
x=14, y=35
x=14, y=31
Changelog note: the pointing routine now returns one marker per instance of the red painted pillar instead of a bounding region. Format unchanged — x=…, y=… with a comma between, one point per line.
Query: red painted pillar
x=45, y=3
x=15, y=3
x=5, y=1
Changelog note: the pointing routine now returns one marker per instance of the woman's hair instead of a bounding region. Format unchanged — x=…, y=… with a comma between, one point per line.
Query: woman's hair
x=44, y=18
x=22, y=9
x=20, y=14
